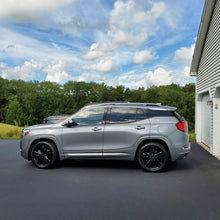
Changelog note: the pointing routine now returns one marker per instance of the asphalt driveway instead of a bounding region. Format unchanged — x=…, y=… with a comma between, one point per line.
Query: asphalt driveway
x=188, y=189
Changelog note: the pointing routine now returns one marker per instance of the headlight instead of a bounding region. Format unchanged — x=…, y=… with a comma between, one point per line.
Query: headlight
x=25, y=132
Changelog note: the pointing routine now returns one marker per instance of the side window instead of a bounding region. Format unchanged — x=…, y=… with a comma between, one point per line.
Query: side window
x=89, y=116
x=122, y=115
x=158, y=113
x=140, y=115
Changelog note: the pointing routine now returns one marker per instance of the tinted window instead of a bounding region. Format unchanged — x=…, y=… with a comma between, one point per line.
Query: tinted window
x=158, y=113
x=140, y=115
x=125, y=115
x=122, y=115
x=89, y=116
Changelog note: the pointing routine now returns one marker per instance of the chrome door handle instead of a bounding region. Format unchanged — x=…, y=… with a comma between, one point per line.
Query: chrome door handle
x=140, y=127
x=96, y=129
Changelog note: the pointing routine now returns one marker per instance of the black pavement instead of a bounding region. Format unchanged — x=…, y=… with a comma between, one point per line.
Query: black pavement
x=188, y=189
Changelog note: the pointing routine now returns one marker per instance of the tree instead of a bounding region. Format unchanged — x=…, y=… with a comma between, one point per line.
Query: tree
x=14, y=113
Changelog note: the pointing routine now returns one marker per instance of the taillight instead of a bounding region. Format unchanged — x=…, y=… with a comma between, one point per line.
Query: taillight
x=182, y=126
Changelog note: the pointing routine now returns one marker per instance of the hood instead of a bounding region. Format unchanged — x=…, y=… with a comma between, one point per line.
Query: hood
x=41, y=126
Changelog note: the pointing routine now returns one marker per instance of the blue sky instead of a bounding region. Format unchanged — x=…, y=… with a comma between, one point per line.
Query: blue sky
x=135, y=43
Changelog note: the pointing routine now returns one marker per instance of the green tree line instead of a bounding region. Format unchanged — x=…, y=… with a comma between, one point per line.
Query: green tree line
x=27, y=103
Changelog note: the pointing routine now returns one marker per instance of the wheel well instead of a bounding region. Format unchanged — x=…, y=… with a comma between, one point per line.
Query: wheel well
x=38, y=140
x=153, y=141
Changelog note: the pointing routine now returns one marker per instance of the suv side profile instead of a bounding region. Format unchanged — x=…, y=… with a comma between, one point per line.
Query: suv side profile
x=149, y=133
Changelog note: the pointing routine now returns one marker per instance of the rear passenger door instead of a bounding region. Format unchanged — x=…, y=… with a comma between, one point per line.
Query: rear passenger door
x=124, y=126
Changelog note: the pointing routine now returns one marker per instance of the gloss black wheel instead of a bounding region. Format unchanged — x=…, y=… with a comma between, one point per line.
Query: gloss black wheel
x=44, y=155
x=152, y=157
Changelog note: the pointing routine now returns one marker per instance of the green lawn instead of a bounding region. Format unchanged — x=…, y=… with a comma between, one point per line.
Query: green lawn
x=10, y=131
x=192, y=137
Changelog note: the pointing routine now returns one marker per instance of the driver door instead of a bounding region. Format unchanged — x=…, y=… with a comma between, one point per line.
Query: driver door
x=85, y=138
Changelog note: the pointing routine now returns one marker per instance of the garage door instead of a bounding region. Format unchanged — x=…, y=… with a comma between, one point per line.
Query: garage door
x=206, y=116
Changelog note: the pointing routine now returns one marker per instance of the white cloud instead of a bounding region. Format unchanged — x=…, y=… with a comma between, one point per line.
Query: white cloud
x=20, y=47
x=98, y=50
x=24, y=72
x=30, y=10
x=159, y=77
x=130, y=80
x=184, y=54
x=104, y=66
x=88, y=77
x=129, y=26
x=187, y=71
x=57, y=73
x=157, y=10
x=125, y=39
x=143, y=56
x=135, y=80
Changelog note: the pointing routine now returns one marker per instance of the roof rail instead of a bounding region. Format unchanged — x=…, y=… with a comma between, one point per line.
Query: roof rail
x=150, y=104
x=124, y=102
x=115, y=102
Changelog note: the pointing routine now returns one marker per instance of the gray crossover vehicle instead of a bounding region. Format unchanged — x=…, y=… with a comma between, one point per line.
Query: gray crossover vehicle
x=149, y=133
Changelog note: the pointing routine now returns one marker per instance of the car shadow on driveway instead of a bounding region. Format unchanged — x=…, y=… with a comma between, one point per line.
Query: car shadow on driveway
x=198, y=158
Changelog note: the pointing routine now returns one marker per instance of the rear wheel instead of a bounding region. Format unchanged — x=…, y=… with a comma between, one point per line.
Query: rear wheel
x=44, y=155
x=152, y=157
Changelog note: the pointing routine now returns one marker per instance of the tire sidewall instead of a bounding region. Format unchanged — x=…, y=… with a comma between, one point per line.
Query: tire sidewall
x=54, y=155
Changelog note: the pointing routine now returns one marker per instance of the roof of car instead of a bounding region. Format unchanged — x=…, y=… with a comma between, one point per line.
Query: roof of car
x=133, y=104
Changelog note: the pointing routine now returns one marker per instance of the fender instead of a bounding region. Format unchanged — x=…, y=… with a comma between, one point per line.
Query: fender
x=49, y=137
x=155, y=138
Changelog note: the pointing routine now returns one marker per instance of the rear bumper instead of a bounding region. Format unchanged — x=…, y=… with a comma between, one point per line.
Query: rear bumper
x=181, y=153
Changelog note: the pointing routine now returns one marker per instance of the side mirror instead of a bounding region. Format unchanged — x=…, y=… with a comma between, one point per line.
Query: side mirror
x=71, y=123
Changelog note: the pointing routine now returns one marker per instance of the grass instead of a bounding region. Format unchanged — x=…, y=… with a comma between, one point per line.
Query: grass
x=192, y=137
x=10, y=131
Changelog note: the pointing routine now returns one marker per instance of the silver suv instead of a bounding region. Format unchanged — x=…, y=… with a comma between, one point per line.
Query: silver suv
x=149, y=133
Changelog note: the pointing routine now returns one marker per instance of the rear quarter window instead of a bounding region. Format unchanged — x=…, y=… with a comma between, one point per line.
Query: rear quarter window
x=158, y=113
x=126, y=115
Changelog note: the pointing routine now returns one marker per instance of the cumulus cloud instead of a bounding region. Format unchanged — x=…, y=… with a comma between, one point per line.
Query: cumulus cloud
x=104, y=66
x=98, y=50
x=129, y=26
x=184, y=54
x=143, y=56
x=134, y=80
x=24, y=72
x=159, y=77
x=130, y=80
x=88, y=77
x=56, y=73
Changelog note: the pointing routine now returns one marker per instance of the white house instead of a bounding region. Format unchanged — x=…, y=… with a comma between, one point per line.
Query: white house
x=206, y=68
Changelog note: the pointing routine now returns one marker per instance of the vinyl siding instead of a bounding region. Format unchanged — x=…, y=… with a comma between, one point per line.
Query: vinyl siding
x=209, y=68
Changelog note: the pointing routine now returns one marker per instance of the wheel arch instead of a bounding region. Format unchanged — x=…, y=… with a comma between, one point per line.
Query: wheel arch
x=44, y=139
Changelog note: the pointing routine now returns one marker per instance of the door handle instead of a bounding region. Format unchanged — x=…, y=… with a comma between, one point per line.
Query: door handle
x=139, y=127
x=96, y=129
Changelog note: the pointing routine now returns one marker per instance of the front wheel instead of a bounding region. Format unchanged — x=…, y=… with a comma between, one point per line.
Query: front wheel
x=44, y=155
x=152, y=157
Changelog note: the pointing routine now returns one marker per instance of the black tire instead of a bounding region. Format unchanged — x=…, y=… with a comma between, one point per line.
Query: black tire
x=152, y=157
x=44, y=155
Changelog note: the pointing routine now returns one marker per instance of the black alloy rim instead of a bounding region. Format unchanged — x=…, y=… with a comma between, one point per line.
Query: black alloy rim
x=153, y=157
x=42, y=154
